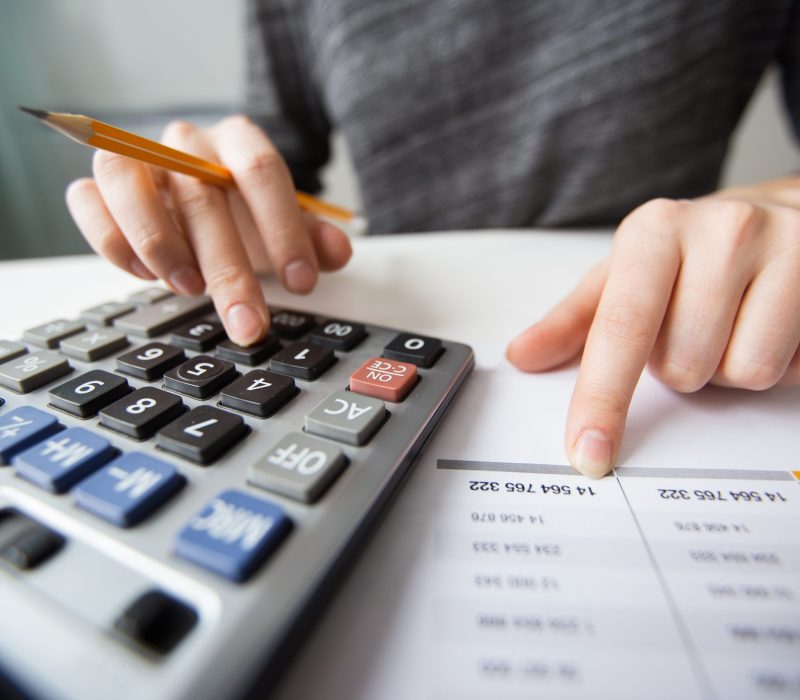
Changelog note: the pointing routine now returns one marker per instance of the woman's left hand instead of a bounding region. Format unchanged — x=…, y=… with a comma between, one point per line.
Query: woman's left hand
x=701, y=291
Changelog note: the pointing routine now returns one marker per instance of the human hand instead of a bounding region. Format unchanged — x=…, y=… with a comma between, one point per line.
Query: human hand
x=195, y=236
x=702, y=291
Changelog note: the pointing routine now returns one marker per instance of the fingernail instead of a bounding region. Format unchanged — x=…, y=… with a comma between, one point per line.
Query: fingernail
x=245, y=325
x=592, y=453
x=138, y=269
x=299, y=276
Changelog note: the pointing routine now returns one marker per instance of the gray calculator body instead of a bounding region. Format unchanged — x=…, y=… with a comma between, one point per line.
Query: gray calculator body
x=57, y=622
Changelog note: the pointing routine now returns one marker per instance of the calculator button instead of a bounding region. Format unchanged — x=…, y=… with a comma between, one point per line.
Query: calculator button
x=347, y=417
x=93, y=345
x=384, y=379
x=250, y=355
x=62, y=460
x=302, y=360
x=104, y=314
x=23, y=427
x=233, y=535
x=259, y=393
x=419, y=349
x=85, y=395
x=299, y=466
x=203, y=434
x=339, y=335
x=150, y=361
x=129, y=489
x=150, y=295
x=156, y=621
x=201, y=376
x=290, y=324
x=29, y=372
x=24, y=542
x=158, y=318
x=50, y=334
x=10, y=349
x=142, y=413
x=199, y=335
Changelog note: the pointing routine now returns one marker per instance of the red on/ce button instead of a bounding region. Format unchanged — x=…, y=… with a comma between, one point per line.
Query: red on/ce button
x=384, y=379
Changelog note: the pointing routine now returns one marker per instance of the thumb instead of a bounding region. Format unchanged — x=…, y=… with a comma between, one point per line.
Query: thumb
x=560, y=335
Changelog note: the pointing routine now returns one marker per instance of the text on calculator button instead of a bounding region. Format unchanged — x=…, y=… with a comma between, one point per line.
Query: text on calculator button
x=384, y=379
x=233, y=534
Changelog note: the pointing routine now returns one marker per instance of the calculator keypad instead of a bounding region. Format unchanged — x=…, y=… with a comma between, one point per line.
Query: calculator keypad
x=384, y=379
x=252, y=355
x=23, y=427
x=303, y=360
x=199, y=335
x=10, y=349
x=203, y=434
x=150, y=361
x=347, y=417
x=286, y=428
x=29, y=372
x=418, y=349
x=142, y=413
x=259, y=393
x=94, y=344
x=63, y=459
x=50, y=334
x=128, y=489
x=201, y=376
x=299, y=466
x=339, y=335
x=233, y=534
x=86, y=394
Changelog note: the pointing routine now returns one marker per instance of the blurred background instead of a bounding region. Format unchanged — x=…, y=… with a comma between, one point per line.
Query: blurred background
x=140, y=64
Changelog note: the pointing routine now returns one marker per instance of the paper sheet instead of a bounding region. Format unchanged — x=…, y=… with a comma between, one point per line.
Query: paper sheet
x=500, y=573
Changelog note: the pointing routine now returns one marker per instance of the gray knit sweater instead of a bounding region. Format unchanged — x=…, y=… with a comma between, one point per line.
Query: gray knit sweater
x=504, y=113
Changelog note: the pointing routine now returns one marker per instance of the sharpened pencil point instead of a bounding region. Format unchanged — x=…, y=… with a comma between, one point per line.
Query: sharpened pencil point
x=38, y=113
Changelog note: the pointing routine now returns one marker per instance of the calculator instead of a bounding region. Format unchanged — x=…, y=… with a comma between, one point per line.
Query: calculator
x=174, y=508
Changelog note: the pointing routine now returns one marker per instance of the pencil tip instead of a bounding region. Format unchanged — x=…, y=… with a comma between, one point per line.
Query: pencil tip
x=38, y=113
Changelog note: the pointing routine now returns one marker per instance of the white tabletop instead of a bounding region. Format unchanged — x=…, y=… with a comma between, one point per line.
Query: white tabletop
x=482, y=289
x=472, y=287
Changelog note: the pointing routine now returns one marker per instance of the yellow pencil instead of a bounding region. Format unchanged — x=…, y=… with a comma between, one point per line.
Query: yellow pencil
x=97, y=134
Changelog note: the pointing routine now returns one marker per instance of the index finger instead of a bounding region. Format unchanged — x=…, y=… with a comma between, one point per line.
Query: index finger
x=266, y=185
x=644, y=267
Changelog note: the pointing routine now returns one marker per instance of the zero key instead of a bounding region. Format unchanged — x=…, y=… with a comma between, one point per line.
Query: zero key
x=419, y=349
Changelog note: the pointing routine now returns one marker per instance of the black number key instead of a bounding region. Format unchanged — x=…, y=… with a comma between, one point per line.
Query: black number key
x=417, y=349
x=290, y=324
x=250, y=355
x=199, y=335
x=339, y=335
x=200, y=377
x=142, y=413
x=259, y=392
x=150, y=361
x=203, y=434
x=87, y=394
x=303, y=360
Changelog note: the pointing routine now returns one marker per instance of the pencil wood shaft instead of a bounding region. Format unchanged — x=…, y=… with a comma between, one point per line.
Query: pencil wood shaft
x=107, y=137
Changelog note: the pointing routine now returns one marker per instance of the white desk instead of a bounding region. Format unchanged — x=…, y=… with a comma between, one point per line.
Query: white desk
x=379, y=633
x=481, y=287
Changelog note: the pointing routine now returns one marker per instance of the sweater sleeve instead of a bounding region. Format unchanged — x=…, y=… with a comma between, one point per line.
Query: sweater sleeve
x=789, y=62
x=281, y=95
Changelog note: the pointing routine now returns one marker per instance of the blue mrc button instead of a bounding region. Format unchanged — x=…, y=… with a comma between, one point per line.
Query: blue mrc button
x=128, y=489
x=233, y=535
x=23, y=427
x=62, y=460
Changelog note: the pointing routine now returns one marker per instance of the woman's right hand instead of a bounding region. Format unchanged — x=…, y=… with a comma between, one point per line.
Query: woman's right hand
x=196, y=236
